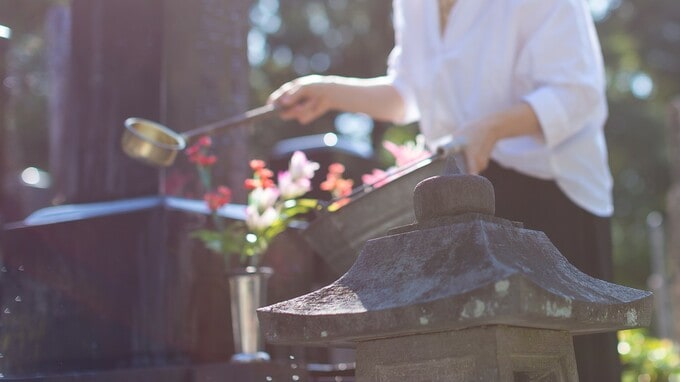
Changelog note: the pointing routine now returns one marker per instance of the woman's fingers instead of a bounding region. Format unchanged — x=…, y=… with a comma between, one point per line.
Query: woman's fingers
x=304, y=99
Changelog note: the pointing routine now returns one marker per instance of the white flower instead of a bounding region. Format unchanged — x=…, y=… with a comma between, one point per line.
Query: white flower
x=291, y=188
x=258, y=222
x=300, y=167
x=263, y=198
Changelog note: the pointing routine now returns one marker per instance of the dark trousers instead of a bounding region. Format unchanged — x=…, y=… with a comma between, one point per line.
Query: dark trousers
x=583, y=238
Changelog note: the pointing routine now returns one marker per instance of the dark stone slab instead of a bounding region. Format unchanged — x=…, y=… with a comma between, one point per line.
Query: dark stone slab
x=114, y=285
x=453, y=273
x=213, y=372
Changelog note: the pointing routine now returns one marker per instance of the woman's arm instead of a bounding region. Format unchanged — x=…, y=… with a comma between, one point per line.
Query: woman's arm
x=307, y=98
x=482, y=136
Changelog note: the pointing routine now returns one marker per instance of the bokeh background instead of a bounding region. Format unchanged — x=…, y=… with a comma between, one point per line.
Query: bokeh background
x=287, y=39
x=640, y=40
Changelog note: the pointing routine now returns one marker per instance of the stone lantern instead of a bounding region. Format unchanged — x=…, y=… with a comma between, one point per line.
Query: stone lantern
x=460, y=295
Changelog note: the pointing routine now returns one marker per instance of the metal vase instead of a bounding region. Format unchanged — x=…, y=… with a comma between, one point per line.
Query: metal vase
x=248, y=290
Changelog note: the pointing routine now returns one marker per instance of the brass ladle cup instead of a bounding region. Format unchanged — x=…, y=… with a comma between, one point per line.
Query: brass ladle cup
x=157, y=145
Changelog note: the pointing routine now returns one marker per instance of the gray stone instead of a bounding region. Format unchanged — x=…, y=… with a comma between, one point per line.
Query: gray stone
x=453, y=195
x=455, y=273
x=458, y=296
x=463, y=356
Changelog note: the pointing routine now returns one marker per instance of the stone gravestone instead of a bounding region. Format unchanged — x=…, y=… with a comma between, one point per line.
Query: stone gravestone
x=459, y=296
x=110, y=286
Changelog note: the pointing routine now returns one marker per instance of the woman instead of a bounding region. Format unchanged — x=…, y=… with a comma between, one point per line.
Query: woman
x=523, y=82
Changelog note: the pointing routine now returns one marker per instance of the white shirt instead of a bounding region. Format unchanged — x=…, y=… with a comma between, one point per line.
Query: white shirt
x=496, y=53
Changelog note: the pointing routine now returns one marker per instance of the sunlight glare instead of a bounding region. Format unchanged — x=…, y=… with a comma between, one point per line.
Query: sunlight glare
x=330, y=139
x=5, y=32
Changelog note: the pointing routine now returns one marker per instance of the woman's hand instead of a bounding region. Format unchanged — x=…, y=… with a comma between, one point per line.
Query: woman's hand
x=307, y=98
x=304, y=99
x=482, y=136
x=480, y=139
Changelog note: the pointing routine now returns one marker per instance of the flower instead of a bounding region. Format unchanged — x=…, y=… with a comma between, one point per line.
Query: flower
x=339, y=187
x=197, y=153
x=262, y=176
x=274, y=203
x=270, y=207
x=404, y=155
x=259, y=221
x=409, y=152
x=297, y=180
x=291, y=188
x=301, y=168
x=215, y=200
x=376, y=178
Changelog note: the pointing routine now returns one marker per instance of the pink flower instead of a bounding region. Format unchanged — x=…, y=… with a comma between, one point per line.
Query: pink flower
x=409, y=152
x=377, y=178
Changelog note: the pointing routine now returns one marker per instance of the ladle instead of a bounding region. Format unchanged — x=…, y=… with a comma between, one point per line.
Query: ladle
x=157, y=145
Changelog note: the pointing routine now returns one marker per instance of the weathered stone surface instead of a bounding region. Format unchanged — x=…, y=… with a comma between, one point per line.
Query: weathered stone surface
x=453, y=273
x=453, y=195
x=463, y=356
x=459, y=296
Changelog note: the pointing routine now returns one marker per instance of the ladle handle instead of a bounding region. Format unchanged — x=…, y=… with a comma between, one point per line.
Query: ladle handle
x=253, y=115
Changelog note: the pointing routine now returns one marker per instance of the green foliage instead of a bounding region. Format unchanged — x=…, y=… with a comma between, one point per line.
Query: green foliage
x=648, y=359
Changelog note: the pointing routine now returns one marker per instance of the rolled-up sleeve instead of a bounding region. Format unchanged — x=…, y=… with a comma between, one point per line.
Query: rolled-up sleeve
x=561, y=61
x=397, y=72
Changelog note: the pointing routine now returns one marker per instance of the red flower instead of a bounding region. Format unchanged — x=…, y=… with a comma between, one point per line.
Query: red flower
x=343, y=187
x=215, y=200
x=192, y=150
x=257, y=164
x=329, y=183
x=336, y=168
x=262, y=177
x=335, y=183
x=208, y=160
x=200, y=159
x=204, y=141
x=251, y=184
x=198, y=152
